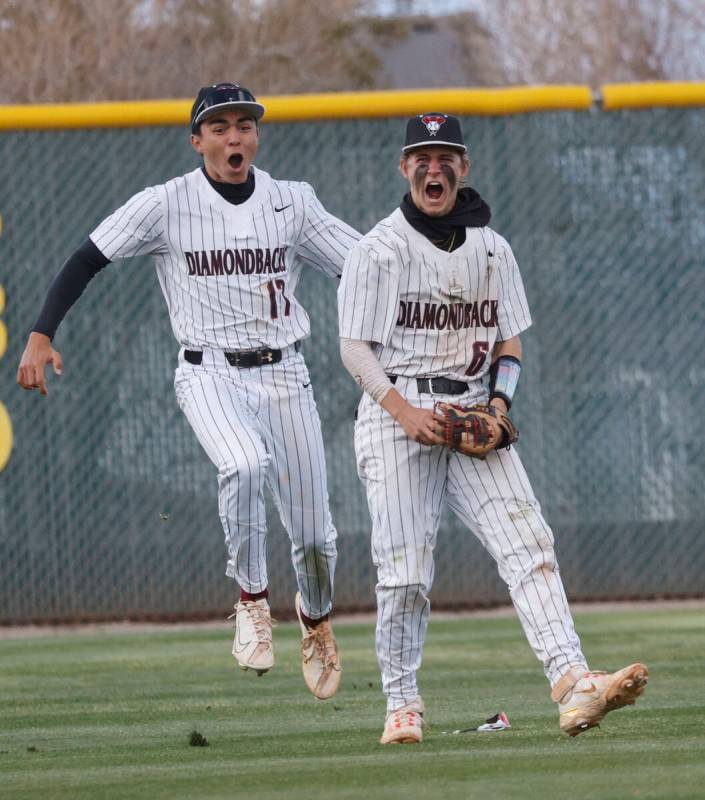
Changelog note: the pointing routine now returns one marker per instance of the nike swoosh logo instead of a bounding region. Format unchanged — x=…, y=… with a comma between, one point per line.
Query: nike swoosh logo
x=283, y=207
x=591, y=690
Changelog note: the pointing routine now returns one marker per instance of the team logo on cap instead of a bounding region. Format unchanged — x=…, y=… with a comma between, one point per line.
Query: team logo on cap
x=433, y=123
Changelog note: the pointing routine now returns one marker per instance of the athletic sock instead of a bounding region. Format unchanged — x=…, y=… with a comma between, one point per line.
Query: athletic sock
x=312, y=623
x=253, y=596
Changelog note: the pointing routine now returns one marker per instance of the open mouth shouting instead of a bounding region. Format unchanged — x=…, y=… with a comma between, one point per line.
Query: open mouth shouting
x=434, y=190
x=435, y=174
x=235, y=160
x=435, y=195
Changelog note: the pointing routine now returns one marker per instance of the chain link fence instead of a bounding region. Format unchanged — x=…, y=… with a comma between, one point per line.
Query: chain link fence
x=108, y=506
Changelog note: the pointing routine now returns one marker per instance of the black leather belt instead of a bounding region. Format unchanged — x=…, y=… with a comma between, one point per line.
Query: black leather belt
x=242, y=358
x=436, y=385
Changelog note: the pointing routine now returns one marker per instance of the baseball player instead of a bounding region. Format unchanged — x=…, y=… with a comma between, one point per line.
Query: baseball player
x=431, y=306
x=229, y=243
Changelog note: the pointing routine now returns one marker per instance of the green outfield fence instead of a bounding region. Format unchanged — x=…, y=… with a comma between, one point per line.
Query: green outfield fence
x=107, y=504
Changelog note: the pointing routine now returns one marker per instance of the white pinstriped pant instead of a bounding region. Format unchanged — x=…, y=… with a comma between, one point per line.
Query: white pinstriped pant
x=407, y=484
x=260, y=426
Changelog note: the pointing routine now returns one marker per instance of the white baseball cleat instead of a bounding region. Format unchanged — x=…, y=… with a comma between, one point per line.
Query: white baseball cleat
x=252, y=646
x=585, y=697
x=403, y=725
x=321, y=665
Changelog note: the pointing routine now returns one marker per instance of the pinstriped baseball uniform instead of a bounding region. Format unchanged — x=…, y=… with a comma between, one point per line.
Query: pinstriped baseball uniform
x=435, y=313
x=229, y=273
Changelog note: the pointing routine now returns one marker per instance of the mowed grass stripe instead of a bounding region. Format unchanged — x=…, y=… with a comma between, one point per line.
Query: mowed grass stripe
x=109, y=716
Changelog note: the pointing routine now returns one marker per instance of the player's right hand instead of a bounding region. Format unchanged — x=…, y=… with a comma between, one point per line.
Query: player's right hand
x=37, y=354
x=420, y=425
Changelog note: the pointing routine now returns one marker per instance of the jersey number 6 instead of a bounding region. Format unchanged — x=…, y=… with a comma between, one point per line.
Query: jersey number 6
x=272, y=287
x=479, y=351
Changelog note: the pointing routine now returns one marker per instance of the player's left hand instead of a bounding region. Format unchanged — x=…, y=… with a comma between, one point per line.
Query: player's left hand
x=477, y=430
x=37, y=354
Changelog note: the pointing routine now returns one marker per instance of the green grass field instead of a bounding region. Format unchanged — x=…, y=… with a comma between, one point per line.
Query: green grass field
x=108, y=715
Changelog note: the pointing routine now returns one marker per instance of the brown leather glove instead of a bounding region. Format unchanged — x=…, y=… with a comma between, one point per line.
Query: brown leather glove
x=475, y=431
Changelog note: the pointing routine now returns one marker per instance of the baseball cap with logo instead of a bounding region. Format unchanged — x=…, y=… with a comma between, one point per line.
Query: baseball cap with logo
x=433, y=128
x=223, y=97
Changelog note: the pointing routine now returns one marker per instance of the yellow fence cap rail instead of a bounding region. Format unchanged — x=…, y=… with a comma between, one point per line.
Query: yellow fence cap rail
x=491, y=102
x=648, y=95
x=131, y=114
x=300, y=107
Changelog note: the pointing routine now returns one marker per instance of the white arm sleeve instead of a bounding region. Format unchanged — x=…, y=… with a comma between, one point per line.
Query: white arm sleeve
x=361, y=362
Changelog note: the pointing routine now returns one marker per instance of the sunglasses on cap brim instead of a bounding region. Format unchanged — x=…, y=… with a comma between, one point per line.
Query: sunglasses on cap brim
x=227, y=96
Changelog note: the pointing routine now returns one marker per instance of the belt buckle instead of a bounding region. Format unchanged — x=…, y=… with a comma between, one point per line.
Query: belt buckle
x=431, y=390
x=264, y=357
x=444, y=381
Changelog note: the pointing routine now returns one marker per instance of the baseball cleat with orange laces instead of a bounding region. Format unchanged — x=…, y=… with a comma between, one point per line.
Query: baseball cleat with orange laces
x=585, y=697
x=403, y=725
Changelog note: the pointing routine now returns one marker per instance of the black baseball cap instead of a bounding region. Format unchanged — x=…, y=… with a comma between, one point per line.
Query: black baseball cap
x=222, y=97
x=433, y=128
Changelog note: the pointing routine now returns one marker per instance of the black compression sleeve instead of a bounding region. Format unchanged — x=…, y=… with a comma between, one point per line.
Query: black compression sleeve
x=68, y=285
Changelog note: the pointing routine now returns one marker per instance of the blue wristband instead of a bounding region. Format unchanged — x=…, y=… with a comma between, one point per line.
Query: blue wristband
x=504, y=377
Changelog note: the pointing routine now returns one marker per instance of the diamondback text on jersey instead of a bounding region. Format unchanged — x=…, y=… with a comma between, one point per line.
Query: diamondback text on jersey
x=247, y=261
x=439, y=316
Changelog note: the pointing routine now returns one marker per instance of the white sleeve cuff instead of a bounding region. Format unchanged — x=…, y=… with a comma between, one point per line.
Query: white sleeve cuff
x=361, y=362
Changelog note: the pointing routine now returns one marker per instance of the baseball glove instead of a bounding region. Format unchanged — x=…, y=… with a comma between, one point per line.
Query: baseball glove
x=474, y=431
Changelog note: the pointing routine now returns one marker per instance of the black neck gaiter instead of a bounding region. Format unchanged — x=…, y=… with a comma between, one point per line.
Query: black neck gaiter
x=235, y=193
x=448, y=231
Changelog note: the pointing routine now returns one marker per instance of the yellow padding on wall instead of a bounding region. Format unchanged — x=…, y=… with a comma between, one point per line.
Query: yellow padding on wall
x=361, y=105
x=5, y=437
x=648, y=95
x=139, y=113
x=293, y=108
x=492, y=102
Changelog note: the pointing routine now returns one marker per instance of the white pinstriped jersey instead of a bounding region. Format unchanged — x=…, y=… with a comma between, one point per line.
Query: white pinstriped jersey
x=229, y=272
x=428, y=311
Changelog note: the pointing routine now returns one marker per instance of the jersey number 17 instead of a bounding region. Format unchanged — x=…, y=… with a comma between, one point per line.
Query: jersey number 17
x=272, y=288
